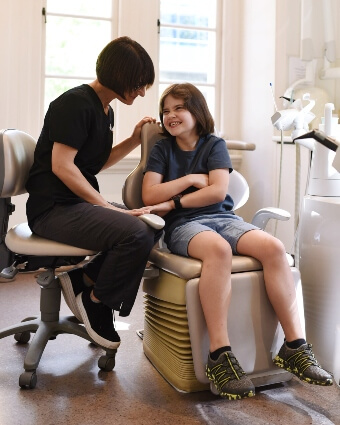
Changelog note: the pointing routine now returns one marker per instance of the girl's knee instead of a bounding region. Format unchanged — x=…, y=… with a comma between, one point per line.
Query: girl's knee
x=210, y=246
x=219, y=251
x=274, y=248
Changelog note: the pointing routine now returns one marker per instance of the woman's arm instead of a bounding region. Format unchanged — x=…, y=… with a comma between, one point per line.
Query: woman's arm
x=119, y=151
x=64, y=168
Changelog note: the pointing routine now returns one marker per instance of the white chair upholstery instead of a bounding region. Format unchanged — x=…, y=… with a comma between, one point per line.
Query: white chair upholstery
x=175, y=335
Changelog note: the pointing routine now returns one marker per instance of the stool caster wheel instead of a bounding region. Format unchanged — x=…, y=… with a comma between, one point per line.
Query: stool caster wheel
x=106, y=363
x=22, y=337
x=28, y=379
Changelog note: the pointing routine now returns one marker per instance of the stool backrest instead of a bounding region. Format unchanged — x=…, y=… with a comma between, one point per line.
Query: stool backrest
x=132, y=190
x=16, y=158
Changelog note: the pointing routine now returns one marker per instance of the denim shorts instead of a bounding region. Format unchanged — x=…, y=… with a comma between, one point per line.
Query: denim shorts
x=230, y=227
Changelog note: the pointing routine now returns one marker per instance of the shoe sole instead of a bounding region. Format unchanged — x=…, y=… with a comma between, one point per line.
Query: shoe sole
x=96, y=338
x=69, y=295
x=278, y=361
x=226, y=395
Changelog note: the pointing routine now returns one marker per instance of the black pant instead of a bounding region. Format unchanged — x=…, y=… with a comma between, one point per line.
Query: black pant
x=123, y=241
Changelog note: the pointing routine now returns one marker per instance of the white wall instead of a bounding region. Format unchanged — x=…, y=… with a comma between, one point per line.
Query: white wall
x=258, y=70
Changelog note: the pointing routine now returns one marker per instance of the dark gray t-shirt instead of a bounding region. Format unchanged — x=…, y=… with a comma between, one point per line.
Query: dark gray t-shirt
x=167, y=159
x=76, y=119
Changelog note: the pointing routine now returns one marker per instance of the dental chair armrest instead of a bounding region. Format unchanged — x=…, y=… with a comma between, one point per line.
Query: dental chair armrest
x=153, y=220
x=263, y=215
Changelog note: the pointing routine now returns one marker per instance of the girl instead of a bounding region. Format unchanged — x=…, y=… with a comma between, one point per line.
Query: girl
x=186, y=180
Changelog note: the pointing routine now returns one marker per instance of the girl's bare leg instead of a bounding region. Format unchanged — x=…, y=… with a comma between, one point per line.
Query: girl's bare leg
x=215, y=283
x=277, y=276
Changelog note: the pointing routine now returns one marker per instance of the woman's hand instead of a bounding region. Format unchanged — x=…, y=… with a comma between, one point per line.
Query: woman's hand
x=136, y=212
x=139, y=211
x=159, y=209
x=138, y=128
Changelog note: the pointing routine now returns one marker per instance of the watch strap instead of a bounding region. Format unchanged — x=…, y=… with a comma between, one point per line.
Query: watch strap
x=177, y=201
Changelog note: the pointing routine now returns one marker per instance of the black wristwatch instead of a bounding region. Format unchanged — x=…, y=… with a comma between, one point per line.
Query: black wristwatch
x=177, y=201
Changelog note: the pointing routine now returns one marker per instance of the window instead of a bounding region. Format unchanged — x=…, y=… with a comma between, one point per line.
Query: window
x=188, y=48
x=71, y=25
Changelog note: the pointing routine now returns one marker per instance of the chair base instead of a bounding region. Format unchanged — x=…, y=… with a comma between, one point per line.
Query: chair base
x=48, y=326
x=176, y=339
x=44, y=331
x=178, y=381
x=171, y=352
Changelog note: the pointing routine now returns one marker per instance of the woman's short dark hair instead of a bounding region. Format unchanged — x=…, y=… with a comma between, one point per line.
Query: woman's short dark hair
x=124, y=65
x=194, y=101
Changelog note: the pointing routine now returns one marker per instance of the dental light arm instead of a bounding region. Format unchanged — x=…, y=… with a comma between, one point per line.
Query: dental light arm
x=295, y=118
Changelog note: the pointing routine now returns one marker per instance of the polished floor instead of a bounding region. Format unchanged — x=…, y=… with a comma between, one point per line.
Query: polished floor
x=72, y=390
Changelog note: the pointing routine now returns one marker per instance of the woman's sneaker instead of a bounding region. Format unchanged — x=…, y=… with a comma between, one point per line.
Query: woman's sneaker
x=302, y=363
x=98, y=321
x=72, y=284
x=229, y=378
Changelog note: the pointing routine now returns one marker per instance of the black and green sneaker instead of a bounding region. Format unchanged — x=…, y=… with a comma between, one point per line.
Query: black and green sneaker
x=229, y=378
x=303, y=364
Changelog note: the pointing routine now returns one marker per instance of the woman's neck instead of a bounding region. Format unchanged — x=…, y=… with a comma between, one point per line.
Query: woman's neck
x=105, y=95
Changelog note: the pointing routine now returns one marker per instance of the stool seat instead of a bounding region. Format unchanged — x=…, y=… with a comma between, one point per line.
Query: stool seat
x=21, y=240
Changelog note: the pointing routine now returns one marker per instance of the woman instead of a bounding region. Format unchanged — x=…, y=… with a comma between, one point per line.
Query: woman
x=64, y=201
x=187, y=178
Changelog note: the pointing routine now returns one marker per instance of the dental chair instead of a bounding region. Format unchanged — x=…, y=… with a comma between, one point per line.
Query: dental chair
x=175, y=337
x=32, y=252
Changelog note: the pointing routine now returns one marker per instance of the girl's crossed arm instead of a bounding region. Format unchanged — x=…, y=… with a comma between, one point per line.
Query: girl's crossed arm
x=212, y=189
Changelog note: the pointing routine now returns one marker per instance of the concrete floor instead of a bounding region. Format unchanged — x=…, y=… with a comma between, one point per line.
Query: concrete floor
x=72, y=390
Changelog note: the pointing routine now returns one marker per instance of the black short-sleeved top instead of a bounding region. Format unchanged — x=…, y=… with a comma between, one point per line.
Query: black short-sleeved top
x=76, y=119
x=167, y=159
